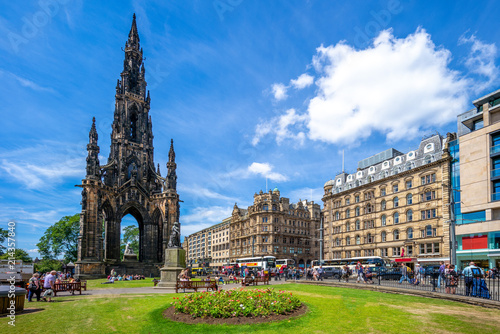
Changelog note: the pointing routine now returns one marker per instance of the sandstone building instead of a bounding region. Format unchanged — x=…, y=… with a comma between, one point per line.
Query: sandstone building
x=274, y=226
x=209, y=246
x=394, y=204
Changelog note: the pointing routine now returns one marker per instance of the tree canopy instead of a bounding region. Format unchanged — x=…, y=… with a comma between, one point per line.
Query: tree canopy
x=61, y=239
x=130, y=234
x=3, y=236
x=19, y=254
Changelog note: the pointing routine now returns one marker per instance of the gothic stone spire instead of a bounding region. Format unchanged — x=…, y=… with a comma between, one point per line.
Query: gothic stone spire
x=171, y=167
x=93, y=168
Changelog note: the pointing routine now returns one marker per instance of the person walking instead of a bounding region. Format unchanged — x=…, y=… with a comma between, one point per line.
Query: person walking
x=48, y=284
x=441, y=270
x=404, y=274
x=321, y=271
x=346, y=272
x=34, y=287
x=359, y=271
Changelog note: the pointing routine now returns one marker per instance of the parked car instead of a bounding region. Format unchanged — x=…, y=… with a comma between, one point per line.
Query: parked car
x=390, y=273
x=332, y=272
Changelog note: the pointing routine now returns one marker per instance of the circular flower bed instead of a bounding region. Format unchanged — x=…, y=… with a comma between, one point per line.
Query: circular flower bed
x=236, y=303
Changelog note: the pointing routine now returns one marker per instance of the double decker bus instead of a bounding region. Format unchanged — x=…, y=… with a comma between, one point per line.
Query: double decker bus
x=257, y=263
x=366, y=261
x=285, y=262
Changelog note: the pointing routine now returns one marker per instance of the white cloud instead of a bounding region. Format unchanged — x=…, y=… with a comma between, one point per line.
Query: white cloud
x=33, y=250
x=28, y=83
x=481, y=60
x=314, y=194
x=202, y=217
x=303, y=81
x=279, y=91
x=204, y=192
x=399, y=87
x=257, y=168
x=290, y=125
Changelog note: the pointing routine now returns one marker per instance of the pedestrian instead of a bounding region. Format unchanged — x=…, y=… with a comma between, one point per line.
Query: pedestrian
x=346, y=272
x=451, y=280
x=321, y=271
x=48, y=284
x=34, y=287
x=359, y=271
x=404, y=274
x=470, y=272
x=441, y=270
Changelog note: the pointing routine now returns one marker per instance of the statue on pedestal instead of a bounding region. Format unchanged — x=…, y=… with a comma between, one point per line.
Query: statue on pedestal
x=175, y=236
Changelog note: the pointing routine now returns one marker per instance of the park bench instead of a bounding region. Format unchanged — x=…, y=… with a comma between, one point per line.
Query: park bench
x=255, y=281
x=195, y=285
x=70, y=287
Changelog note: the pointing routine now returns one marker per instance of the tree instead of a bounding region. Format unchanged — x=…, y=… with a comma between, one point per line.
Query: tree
x=4, y=234
x=61, y=239
x=47, y=265
x=130, y=234
x=19, y=254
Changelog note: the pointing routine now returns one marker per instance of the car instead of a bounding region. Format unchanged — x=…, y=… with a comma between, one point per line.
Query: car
x=390, y=273
x=333, y=272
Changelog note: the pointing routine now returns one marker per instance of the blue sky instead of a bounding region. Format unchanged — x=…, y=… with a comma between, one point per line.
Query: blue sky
x=248, y=90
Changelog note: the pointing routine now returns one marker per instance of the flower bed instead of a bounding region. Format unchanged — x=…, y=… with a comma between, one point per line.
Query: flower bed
x=236, y=303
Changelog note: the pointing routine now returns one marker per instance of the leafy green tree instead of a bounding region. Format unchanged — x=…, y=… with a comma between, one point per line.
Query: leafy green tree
x=19, y=254
x=61, y=239
x=3, y=236
x=130, y=234
x=47, y=265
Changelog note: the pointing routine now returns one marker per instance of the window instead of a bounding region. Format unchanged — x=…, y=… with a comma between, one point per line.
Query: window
x=347, y=201
x=396, y=251
x=396, y=202
x=347, y=227
x=356, y=198
x=428, y=196
x=265, y=207
x=396, y=218
x=368, y=208
x=428, y=179
x=383, y=236
x=409, y=199
x=409, y=233
x=431, y=248
x=348, y=213
x=384, y=220
x=284, y=240
x=383, y=252
x=409, y=215
x=428, y=214
x=395, y=188
x=408, y=184
x=347, y=240
x=396, y=234
x=357, y=253
x=477, y=124
x=292, y=250
x=337, y=242
x=264, y=219
x=382, y=205
x=356, y=211
x=428, y=231
x=369, y=238
x=369, y=252
x=382, y=192
x=358, y=240
x=409, y=250
x=358, y=225
x=337, y=215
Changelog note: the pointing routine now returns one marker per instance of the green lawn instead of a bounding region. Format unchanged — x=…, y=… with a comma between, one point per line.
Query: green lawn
x=96, y=284
x=331, y=310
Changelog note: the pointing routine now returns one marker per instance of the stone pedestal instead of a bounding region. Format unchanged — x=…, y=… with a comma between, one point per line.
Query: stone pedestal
x=130, y=258
x=175, y=262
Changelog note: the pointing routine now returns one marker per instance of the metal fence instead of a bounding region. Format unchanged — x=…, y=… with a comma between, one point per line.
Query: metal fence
x=479, y=287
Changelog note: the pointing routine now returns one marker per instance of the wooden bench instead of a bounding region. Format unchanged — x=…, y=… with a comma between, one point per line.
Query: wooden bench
x=195, y=285
x=255, y=281
x=70, y=287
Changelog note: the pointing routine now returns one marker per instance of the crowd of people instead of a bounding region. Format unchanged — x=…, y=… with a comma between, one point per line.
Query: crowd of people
x=114, y=276
x=39, y=282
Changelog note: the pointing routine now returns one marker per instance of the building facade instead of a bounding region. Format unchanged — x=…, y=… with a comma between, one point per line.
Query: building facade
x=274, y=226
x=394, y=206
x=478, y=179
x=209, y=247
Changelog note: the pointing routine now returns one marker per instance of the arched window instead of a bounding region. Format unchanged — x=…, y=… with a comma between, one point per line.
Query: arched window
x=428, y=231
x=383, y=236
x=358, y=225
x=369, y=238
x=356, y=211
x=409, y=215
x=382, y=205
x=384, y=220
x=347, y=240
x=368, y=208
x=409, y=199
x=133, y=126
x=358, y=240
x=337, y=242
x=347, y=227
x=396, y=234
x=337, y=215
x=409, y=233
x=348, y=213
x=396, y=202
x=428, y=159
x=396, y=217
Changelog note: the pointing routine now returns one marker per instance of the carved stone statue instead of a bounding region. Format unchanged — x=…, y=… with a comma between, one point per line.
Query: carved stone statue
x=128, y=250
x=175, y=236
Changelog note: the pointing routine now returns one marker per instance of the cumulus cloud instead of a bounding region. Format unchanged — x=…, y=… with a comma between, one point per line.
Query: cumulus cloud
x=259, y=169
x=290, y=125
x=481, y=60
x=399, y=87
x=279, y=91
x=203, y=217
x=303, y=81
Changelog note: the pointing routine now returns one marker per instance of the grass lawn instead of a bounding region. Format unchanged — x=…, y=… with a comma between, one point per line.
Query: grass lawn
x=331, y=310
x=96, y=284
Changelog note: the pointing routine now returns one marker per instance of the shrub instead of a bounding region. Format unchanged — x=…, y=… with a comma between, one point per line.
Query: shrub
x=236, y=303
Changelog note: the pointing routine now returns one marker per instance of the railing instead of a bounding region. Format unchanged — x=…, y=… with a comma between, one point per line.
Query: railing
x=480, y=287
x=495, y=149
x=495, y=173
